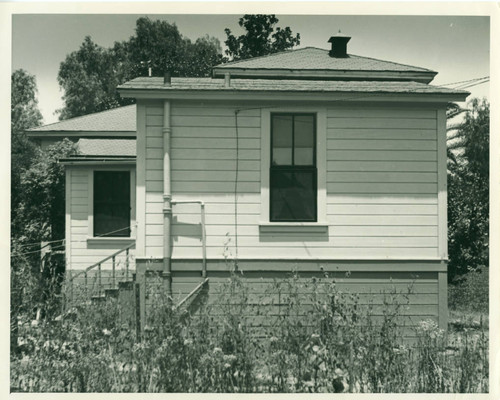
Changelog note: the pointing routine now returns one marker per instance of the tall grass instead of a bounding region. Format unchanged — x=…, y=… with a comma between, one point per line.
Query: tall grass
x=295, y=335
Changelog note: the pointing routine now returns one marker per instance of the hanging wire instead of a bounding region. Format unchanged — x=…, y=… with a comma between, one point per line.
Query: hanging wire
x=473, y=84
x=37, y=243
x=73, y=241
x=462, y=82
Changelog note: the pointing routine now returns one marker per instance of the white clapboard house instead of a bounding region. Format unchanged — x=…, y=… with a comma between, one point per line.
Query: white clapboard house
x=309, y=159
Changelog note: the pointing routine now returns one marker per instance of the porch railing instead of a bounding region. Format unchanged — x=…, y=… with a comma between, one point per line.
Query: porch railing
x=93, y=281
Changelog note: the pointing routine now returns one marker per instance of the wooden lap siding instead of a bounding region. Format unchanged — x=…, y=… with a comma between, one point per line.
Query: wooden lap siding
x=373, y=288
x=381, y=184
x=83, y=254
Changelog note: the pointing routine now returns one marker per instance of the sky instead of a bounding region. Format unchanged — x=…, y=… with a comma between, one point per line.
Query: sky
x=457, y=47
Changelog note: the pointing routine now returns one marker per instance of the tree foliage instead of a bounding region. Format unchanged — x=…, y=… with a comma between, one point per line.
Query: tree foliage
x=41, y=206
x=261, y=37
x=468, y=193
x=90, y=75
x=160, y=46
x=24, y=114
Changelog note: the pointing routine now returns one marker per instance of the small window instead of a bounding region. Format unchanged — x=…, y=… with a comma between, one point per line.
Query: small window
x=293, y=180
x=112, y=203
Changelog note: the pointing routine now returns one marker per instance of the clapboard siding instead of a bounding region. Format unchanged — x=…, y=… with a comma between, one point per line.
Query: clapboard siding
x=154, y=179
x=381, y=166
x=381, y=183
x=359, y=198
x=417, y=294
x=216, y=176
x=382, y=179
x=381, y=144
x=215, y=165
x=380, y=155
x=381, y=122
x=188, y=132
x=364, y=177
x=83, y=254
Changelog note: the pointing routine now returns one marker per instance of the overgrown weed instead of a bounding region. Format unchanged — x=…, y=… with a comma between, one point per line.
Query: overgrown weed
x=292, y=335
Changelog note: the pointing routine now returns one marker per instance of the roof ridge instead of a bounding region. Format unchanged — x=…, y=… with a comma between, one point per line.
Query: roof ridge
x=393, y=62
x=79, y=117
x=267, y=55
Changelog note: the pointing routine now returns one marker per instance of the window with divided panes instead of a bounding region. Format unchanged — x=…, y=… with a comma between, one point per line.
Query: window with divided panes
x=293, y=172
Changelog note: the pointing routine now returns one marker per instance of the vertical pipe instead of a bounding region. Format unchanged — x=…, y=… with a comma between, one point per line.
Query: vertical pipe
x=167, y=198
x=86, y=286
x=203, y=241
x=126, y=264
x=71, y=288
x=99, y=279
x=113, y=273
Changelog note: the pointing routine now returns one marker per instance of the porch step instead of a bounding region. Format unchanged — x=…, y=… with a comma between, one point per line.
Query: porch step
x=126, y=285
x=111, y=292
x=98, y=299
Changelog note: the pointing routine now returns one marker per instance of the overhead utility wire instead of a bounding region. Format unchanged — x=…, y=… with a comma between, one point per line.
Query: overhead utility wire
x=37, y=243
x=75, y=241
x=473, y=84
x=461, y=82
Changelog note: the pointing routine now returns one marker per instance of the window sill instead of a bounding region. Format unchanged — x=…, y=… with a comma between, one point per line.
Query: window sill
x=295, y=227
x=111, y=240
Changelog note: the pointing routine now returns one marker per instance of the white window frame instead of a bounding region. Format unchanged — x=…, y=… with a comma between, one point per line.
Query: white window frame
x=321, y=224
x=90, y=235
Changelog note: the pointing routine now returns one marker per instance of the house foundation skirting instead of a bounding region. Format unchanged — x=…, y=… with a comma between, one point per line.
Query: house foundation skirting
x=424, y=280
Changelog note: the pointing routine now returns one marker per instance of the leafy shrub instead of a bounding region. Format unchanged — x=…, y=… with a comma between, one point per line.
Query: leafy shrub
x=471, y=291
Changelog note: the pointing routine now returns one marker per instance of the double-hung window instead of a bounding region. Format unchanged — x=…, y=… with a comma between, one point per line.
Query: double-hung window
x=112, y=204
x=293, y=171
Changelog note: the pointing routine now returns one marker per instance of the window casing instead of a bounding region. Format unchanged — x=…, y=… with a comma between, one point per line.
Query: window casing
x=293, y=170
x=112, y=204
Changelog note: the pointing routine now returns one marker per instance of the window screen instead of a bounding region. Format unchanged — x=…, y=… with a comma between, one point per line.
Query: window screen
x=112, y=203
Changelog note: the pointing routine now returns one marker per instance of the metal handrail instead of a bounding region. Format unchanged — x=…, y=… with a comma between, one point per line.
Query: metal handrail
x=97, y=278
x=193, y=292
x=102, y=261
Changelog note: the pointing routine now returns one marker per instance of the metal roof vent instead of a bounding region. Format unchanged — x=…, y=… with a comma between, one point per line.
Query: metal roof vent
x=339, y=45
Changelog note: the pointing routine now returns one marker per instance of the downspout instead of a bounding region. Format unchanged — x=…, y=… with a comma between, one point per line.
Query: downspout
x=167, y=199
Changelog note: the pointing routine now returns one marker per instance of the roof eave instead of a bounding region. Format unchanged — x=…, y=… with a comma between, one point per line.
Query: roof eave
x=98, y=160
x=39, y=134
x=278, y=73
x=228, y=94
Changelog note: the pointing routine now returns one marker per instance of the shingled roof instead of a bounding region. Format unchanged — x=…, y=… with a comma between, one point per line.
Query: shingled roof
x=122, y=119
x=106, y=147
x=313, y=62
x=277, y=85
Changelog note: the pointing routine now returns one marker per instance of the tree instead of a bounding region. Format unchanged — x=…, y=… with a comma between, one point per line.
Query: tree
x=261, y=38
x=24, y=114
x=89, y=77
x=160, y=46
x=468, y=193
x=40, y=217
